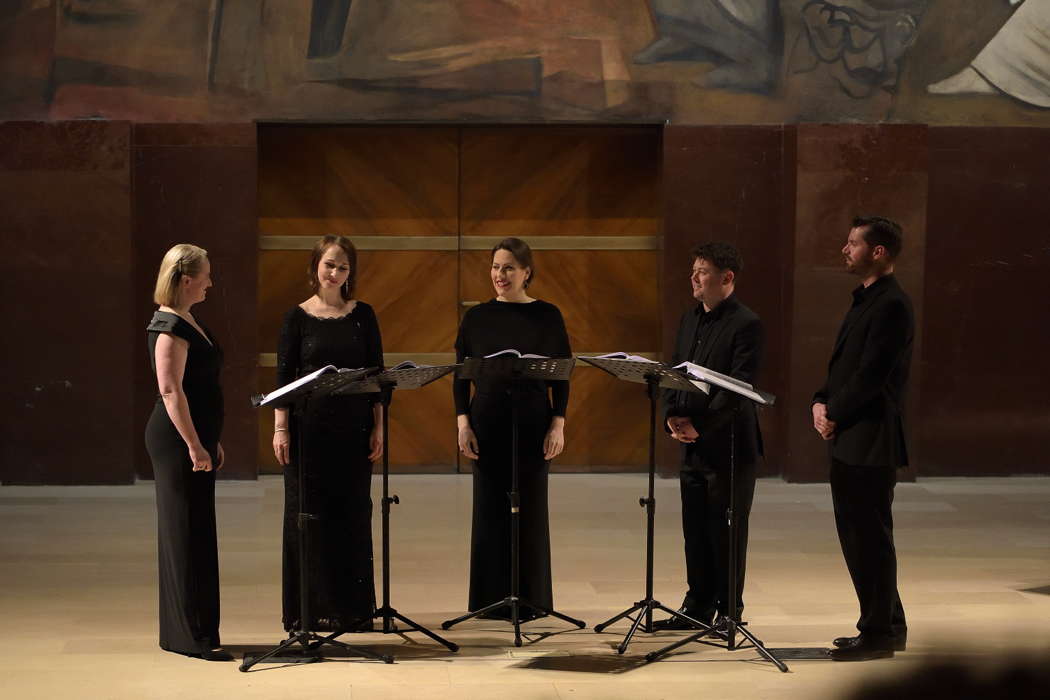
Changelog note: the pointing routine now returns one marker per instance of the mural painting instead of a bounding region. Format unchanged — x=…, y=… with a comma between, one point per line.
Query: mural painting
x=685, y=61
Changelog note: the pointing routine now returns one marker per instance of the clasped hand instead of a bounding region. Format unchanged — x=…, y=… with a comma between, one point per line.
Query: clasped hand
x=682, y=429
x=821, y=424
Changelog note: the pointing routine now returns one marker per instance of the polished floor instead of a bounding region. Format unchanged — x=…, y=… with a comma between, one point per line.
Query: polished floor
x=78, y=594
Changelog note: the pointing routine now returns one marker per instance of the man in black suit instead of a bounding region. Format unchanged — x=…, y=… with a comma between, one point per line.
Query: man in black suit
x=858, y=412
x=722, y=334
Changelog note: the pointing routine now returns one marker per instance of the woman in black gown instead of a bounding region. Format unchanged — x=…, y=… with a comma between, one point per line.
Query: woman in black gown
x=512, y=320
x=182, y=437
x=343, y=436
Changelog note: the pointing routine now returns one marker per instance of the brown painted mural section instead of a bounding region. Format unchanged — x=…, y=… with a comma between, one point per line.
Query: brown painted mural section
x=476, y=61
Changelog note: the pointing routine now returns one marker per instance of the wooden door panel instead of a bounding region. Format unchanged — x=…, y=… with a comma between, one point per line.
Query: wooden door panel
x=608, y=297
x=577, y=181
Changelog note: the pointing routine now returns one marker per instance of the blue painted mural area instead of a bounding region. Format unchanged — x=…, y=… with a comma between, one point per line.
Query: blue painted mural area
x=606, y=61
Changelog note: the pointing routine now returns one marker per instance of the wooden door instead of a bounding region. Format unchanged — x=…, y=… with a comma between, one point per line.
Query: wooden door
x=394, y=192
x=587, y=202
x=424, y=205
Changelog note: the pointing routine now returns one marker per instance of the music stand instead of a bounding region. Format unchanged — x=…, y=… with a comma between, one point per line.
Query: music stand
x=385, y=383
x=728, y=625
x=298, y=399
x=655, y=376
x=515, y=370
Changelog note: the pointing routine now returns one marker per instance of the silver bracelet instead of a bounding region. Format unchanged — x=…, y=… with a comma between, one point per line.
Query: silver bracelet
x=280, y=430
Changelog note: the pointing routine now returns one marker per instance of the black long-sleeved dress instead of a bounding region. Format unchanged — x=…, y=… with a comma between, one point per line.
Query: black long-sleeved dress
x=186, y=539
x=338, y=473
x=536, y=328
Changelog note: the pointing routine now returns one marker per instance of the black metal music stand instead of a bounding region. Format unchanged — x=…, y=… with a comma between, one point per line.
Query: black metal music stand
x=385, y=383
x=309, y=641
x=655, y=376
x=515, y=370
x=728, y=625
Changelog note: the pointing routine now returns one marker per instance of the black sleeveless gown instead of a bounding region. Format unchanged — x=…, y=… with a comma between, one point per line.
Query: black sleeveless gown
x=186, y=539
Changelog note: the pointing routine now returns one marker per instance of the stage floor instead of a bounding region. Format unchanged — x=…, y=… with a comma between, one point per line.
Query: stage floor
x=79, y=598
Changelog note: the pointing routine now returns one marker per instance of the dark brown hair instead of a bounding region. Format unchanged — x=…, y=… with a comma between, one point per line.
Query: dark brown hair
x=323, y=244
x=522, y=254
x=724, y=256
x=878, y=230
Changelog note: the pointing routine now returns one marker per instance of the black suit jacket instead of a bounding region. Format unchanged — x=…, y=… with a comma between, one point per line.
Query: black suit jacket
x=867, y=376
x=733, y=346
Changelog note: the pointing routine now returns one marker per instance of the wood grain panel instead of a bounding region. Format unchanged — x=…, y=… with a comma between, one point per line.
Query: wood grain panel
x=422, y=429
x=358, y=180
x=534, y=181
x=412, y=292
x=607, y=424
x=609, y=298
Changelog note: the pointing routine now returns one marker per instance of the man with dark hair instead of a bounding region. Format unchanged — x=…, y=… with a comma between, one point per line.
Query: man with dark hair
x=858, y=412
x=721, y=334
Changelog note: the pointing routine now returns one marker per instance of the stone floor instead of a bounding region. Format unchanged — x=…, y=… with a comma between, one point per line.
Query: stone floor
x=78, y=581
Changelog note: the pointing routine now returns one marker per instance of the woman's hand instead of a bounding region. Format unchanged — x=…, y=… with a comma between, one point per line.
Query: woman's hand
x=554, y=442
x=375, y=443
x=200, y=458
x=222, y=457
x=281, y=446
x=468, y=441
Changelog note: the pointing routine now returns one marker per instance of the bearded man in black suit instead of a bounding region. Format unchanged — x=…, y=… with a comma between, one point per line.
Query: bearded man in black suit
x=722, y=334
x=859, y=412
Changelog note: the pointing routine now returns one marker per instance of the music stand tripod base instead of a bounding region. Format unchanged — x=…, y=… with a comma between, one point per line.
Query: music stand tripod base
x=515, y=370
x=309, y=642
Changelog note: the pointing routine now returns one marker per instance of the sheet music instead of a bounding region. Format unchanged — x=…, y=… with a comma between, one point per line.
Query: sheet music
x=517, y=353
x=709, y=376
x=624, y=356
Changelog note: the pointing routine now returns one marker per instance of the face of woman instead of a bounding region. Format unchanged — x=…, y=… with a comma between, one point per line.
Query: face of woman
x=508, y=276
x=334, y=268
x=195, y=287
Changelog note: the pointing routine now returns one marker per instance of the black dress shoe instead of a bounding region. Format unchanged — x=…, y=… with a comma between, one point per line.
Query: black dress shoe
x=216, y=655
x=678, y=623
x=900, y=641
x=864, y=649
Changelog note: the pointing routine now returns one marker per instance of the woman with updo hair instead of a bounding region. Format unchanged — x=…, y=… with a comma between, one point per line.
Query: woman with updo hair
x=182, y=437
x=342, y=436
x=511, y=320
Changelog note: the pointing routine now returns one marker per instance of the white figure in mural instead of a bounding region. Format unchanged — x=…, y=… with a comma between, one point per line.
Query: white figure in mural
x=1016, y=61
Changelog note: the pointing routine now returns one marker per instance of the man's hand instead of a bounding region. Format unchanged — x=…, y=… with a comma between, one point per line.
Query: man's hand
x=682, y=429
x=825, y=427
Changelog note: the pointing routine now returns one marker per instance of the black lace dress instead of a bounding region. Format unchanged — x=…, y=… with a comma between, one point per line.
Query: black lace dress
x=186, y=539
x=338, y=474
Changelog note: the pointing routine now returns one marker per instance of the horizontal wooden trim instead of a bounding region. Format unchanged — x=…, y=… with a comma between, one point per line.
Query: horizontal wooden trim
x=455, y=243
x=269, y=359
x=364, y=242
x=569, y=242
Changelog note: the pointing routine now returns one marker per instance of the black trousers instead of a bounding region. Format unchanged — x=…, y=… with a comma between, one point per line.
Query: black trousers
x=863, y=500
x=705, y=499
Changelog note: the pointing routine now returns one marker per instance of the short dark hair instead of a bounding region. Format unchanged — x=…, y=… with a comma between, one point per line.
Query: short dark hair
x=323, y=244
x=879, y=230
x=521, y=252
x=722, y=255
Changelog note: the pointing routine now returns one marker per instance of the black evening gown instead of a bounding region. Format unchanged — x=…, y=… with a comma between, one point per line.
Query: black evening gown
x=186, y=538
x=537, y=328
x=338, y=473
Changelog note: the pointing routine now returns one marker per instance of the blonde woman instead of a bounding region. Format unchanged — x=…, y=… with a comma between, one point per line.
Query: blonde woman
x=182, y=438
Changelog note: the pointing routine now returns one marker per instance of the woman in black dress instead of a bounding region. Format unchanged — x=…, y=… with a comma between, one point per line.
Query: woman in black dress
x=513, y=320
x=343, y=436
x=182, y=437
